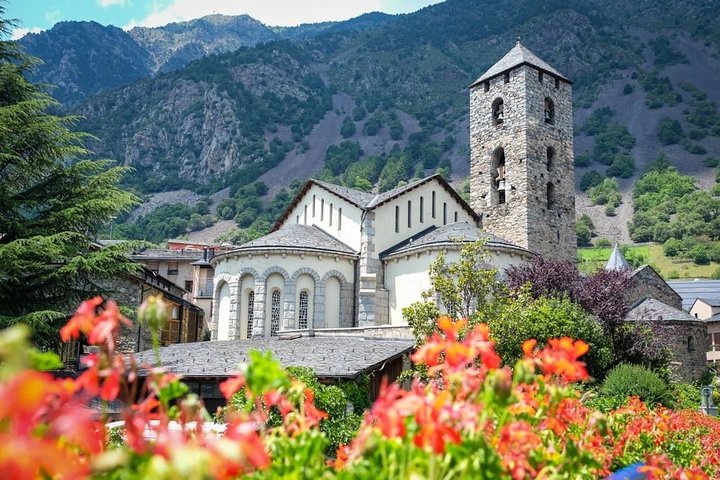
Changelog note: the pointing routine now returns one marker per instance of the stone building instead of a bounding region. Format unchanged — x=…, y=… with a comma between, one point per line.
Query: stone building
x=342, y=258
x=521, y=154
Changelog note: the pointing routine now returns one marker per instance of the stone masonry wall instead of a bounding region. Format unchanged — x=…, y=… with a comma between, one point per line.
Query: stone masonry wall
x=525, y=218
x=647, y=283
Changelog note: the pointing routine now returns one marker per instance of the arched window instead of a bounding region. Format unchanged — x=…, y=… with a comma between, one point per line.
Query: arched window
x=456, y=216
x=322, y=209
x=498, y=182
x=397, y=218
x=690, y=344
x=550, y=195
x=550, y=158
x=305, y=215
x=339, y=219
x=303, y=310
x=331, y=214
x=498, y=111
x=432, y=206
x=444, y=213
x=250, y=312
x=313, y=207
x=409, y=213
x=549, y=111
x=422, y=209
x=275, y=313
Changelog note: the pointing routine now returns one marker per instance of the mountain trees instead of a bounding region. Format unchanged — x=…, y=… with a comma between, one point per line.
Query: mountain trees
x=52, y=199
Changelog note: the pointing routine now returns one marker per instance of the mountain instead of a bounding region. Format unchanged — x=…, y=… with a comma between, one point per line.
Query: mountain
x=384, y=98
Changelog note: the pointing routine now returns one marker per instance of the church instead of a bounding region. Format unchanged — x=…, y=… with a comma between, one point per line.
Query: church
x=340, y=258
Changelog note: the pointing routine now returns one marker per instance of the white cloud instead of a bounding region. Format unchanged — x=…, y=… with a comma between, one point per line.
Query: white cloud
x=110, y=3
x=21, y=32
x=275, y=12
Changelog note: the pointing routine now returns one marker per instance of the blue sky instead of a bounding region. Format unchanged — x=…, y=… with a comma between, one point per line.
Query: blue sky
x=35, y=15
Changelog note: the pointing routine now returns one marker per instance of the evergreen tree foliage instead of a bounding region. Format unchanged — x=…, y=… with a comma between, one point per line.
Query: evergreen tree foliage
x=52, y=199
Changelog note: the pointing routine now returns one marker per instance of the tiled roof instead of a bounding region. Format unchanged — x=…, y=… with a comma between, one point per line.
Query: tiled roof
x=654, y=310
x=295, y=236
x=617, y=261
x=328, y=356
x=356, y=197
x=519, y=55
x=461, y=231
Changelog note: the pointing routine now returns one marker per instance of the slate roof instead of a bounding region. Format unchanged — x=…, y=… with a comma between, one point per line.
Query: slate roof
x=713, y=302
x=518, y=55
x=336, y=357
x=445, y=234
x=356, y=197
x=654, y=310
x=395, y=192
x=617, y=261
x=296, y=236
x=690, y=290
x=162, y=254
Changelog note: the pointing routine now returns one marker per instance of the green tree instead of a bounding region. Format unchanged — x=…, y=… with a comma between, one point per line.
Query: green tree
x=53, y=198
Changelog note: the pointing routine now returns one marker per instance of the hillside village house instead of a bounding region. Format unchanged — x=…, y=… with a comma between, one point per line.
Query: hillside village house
x=340, y=258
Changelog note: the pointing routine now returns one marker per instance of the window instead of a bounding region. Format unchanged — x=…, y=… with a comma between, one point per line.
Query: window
x=305, y=215
x=303, y=310
x=313, y=207
x=422, y=207
x=322, y=209
x=550, y=158
x=172, y=268
x=456, y=217
x=497, y=194
x=486, y=85
x=154, y=267
x=540, y=77
x=250, y=313
x=549, y=111
x=432, y=205
x=331, y=214
x=409, y=213
x=275, y=313
x=397, y=218
x=506, y=77
x=297, y=218
x=339, y=219
x=444, y=213
x=550, y=195
x=557, y=83
x=188, y=285
x=498, y=111
x=690, y=344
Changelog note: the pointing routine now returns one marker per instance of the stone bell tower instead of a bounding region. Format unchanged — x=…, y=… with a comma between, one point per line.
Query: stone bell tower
x=521, y=154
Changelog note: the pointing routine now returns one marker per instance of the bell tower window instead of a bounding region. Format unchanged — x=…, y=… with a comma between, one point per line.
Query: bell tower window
x=498, y=111
x=550, y=195
x=549, y=111
x=498, y=181
x=550, y=158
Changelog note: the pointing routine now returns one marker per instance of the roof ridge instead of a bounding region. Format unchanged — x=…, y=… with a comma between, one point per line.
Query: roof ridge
x=515, y=57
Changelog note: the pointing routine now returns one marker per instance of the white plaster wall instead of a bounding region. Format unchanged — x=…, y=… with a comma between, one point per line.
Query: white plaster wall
x=305, y=282
x=347, y=229
x=332, y=303
x=290, y=262
x=385, y=234
x=407, y=277
x=247, y=286
x=224, y=313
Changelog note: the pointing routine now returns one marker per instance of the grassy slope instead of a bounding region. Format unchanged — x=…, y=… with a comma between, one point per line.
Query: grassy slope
x=591, y=259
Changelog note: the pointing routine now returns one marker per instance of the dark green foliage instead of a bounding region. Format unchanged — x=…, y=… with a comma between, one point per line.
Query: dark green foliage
x=628, y=89
x=582, y=160
x=668, y=204
x=623, y=166
x=359, y=114
x=546, y=318
x=711, y=162
x=585, y=230
x=694, y=148
x=669, y=131
x=671, y=247
x=628, y=380
x=590, y=179
x=339, y=158
x=347, y=129
x=700, y=255
x=397, y=168
x=53, y=199
x=372, y=125
x=665, y=54
x=659, y=90
x=167, y=221
x=606, y=193
x=598, y=121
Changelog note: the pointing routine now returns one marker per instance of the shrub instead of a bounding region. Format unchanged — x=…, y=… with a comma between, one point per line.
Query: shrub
x=623, y=166
x=628, y=89
x=669, y=131
x=590, y=179
x=671, y=247
x=627, y=380
x=711, y=162
x=347, y=129
x=700, y=254
x=603, y=242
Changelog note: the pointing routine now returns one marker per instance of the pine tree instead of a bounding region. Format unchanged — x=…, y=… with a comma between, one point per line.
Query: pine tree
x=53, y=199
